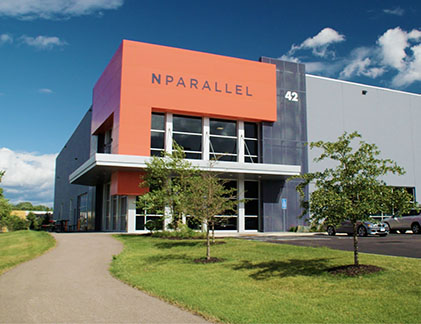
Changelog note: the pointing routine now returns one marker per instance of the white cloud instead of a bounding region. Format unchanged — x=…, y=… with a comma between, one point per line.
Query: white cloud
x=392, y=44
x=319, y=44
x=45, y=90
x=42, y=42
x=5, y=38
x=53, y=9
x=28, y=177
x=395, y=11
x=412, y=71
x=395, y=54
x=362, y=62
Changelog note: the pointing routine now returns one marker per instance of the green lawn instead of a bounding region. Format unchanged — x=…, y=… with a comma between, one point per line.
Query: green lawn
x=20, y=246
x=270, y=283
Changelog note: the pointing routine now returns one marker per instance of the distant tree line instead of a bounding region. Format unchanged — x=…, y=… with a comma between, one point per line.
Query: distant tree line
x=26, y=205
x=15, y=223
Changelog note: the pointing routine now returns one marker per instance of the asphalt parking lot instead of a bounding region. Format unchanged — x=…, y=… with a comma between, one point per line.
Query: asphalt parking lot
x=407, y=245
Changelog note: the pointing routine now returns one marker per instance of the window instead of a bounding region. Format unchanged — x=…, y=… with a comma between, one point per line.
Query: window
x=144, y=215
x=187, y=132
x=251, y=143
x=114, y=209
x=107, y=207
x=228, y=221
x=157, y=134
x=123, y=213
x=251, y=205
x=223, y=140
x=82, y=211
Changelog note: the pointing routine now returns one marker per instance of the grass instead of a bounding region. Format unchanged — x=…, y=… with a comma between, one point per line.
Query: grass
x=20, y=246
x=270, y=283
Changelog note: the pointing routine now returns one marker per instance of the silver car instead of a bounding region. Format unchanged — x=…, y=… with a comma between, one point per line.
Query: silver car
x=363, y=228
x=404, y=223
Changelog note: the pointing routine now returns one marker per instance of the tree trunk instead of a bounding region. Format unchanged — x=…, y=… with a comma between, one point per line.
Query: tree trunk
x=356, y=261
x=207, y=243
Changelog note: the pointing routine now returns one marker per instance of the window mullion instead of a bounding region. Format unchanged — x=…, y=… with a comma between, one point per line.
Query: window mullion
x=205, y=139
x=240, y=143
x=168, y=133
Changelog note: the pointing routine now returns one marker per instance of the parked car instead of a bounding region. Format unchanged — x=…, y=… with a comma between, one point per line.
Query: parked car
x=404, y=223
x=363, y=228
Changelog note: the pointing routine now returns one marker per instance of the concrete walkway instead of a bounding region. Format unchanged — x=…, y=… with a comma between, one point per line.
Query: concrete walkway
x=71, y=284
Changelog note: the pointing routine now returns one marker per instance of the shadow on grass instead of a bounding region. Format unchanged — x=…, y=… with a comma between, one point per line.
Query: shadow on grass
x=289, y=268
x=175, y=244
x=169, y=257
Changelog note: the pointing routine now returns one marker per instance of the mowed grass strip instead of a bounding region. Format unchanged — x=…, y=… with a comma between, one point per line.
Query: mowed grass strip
x=20, y=246
x=270, y=283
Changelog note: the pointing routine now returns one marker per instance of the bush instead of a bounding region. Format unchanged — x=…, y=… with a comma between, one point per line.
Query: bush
x=34, y=221
x=154, y=225
x=14, y=223
x=183, y=232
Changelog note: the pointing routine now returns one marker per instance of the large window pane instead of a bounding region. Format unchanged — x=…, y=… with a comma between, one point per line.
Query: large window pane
x=248, y=159
x=252, y=207
x=251, y=147
x=227, y=224
x=223, y=145
x=251, y=223
x=195, y=156
x=220, y=157
x=187, y=124
x=189, y=142
x=157, y=140
x=250, y=130
x=251, y=189
x=158, y=121
x=140, y=223
x=223, y=127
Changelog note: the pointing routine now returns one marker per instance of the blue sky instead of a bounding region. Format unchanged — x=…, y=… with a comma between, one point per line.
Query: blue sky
x=53, y=51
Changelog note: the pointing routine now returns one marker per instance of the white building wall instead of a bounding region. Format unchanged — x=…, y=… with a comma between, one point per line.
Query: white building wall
x=388, y=118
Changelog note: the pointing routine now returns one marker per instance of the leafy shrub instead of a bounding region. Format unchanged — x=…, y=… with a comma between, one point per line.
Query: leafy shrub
x=154, y=225
x=14, y=223
x=34, y=221
x=183, y=232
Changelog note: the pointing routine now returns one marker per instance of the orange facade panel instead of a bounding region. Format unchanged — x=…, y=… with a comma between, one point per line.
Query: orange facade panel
x=143, y=77
x=197, y=83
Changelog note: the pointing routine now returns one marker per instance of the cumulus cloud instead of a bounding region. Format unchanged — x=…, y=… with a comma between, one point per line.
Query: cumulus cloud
x=395, y=11
x=319, y=43
x=395, y=54
x=28, y=177
x=360, y=63
x=392, y=44
x=42, y=42
x=45, y=90
x=5, y=38
x=412, y=71
x=55, y=9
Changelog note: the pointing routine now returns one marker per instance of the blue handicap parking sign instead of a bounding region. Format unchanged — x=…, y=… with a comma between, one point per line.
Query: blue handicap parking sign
x=284, y=203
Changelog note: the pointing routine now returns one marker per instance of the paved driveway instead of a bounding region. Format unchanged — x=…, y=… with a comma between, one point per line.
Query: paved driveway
x=408, y=245
x=71, y=284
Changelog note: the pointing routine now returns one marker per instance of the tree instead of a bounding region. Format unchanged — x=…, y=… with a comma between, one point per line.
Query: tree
x=165, y=178
x=353, y=189
x=206, y=198
x=5, y=206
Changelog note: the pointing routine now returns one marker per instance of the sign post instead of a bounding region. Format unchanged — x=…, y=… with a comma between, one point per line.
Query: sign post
x=284, y=204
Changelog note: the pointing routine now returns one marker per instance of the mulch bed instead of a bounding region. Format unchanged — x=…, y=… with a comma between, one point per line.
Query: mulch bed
x=353, y=271
x=211, y=260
